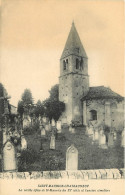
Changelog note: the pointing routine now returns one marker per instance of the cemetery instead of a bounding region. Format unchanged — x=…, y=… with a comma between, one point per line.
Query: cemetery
x=77, y=128
x=36, y=143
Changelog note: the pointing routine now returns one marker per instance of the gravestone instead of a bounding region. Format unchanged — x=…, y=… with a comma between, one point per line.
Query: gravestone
x=72, y=158
x=39, y=118
x=9, y=157
x=52, y=142
x=73, y=130
x=123, y=138
x=70, y=128
x=47, y=127
x=43, y=132
x=90, y=130
x=115, y=135
x=26, y=123
x=59, y=126
x=102, y=141
x=96, y=135
x=53, y=123
x=5, y=137
x=23, y=143
x=44, y=119
x=110, y=139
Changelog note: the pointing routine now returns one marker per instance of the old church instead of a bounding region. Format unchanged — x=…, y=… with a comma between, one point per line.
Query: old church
x=85, y=104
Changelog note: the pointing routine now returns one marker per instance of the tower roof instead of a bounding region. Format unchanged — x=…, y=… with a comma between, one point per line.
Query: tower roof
x=73, y=44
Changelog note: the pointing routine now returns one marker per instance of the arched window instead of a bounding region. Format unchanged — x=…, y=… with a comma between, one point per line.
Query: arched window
x=77, y=63
x=64, y=65
x=81, y=64
x=93, y=115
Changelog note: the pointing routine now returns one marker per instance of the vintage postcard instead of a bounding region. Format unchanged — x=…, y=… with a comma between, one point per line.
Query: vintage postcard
x=62, y=97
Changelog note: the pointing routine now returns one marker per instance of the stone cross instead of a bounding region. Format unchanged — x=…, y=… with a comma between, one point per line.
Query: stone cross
x=52, y=142
x=9, y=157
x=72, y=158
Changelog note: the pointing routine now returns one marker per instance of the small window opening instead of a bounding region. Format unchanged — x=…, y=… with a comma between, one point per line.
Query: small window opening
x=93, y=115
x=64, y=65
x=77, y=63
x=66, y=61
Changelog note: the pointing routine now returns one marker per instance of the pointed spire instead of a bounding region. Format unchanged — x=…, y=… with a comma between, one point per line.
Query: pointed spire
x=73, y=44
x=73, y=23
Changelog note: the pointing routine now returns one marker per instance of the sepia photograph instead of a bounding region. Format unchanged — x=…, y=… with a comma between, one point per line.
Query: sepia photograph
x=62, y=95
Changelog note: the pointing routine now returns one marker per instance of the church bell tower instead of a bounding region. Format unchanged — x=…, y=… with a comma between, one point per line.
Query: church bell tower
x=74, y=79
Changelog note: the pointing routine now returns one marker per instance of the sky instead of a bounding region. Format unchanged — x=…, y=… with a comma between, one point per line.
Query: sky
x=33, y=35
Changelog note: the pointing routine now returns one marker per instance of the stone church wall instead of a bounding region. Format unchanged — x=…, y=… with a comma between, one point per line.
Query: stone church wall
x=116, y=113
x=99, y=106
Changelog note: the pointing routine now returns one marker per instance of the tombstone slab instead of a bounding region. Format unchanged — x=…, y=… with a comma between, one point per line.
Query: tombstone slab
x=90, y=131
x=23, y=143
x=96, y=135
x=9, y=157
x=47, y=127
x=53, y=123
x=59, y=126
x=43, y=132
x=123, y=139
x=111, y=140
x=72, y=158
x=102, y=141
x=52, y=142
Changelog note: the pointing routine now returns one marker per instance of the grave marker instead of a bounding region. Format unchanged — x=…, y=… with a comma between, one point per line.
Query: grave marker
x=59, y=126
x=44, y=119
x=96, y=135
x=90, y=131
x=110, y=140
x=9, y=157
x=5, y=137
x=102, y=141
x=72, y=158
x=52, y=142
x=43, y=132
x=123, y=138
x=53, y=123
x=23, y=143
x=47, y=127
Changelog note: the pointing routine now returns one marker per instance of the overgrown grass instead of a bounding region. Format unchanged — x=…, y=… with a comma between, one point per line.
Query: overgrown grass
x=90, y=156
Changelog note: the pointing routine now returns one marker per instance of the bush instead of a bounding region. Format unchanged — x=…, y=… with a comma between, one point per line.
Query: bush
x=31, y=130
x=27, y=157
x=76, y=123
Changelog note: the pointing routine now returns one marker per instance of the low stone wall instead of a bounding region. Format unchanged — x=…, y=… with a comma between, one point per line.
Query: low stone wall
x=79, y=174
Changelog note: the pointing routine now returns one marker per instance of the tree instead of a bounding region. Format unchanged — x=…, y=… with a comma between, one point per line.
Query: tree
x=20, y=108
x=54, y=92
x=54, y=107
x=26, y=102
x=39, y=109
x=27, y=97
